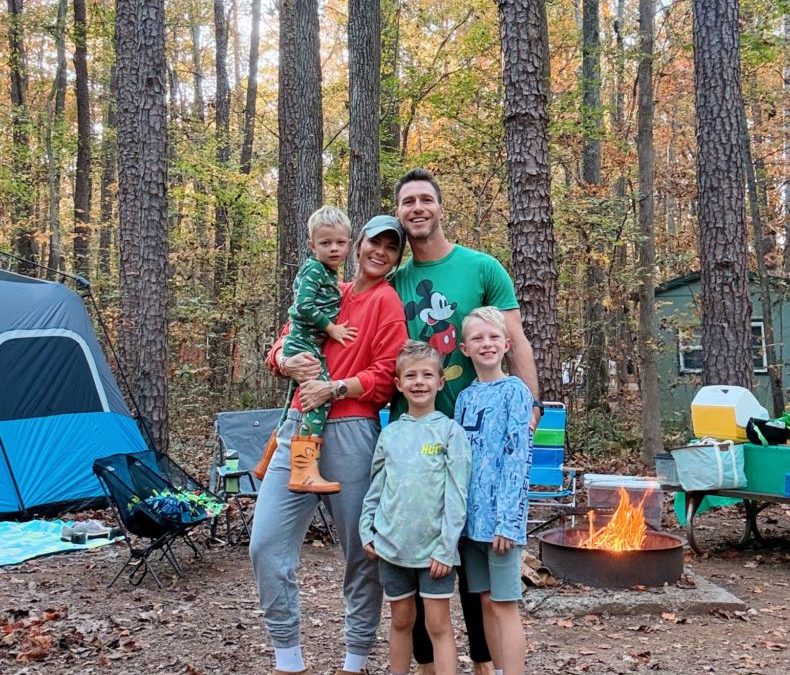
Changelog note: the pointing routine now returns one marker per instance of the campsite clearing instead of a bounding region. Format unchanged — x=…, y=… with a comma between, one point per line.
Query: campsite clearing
x=58, y=609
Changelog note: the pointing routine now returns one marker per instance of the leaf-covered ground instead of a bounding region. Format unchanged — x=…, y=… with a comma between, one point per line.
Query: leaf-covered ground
x=57, y=616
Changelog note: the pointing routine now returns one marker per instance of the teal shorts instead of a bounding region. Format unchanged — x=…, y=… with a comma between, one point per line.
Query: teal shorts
x=487, y=571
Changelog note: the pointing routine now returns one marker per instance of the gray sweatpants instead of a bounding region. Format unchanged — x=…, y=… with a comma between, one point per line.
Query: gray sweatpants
x=281, y=521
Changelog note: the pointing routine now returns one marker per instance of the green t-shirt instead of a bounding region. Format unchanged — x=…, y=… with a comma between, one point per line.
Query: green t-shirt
x=437, y=295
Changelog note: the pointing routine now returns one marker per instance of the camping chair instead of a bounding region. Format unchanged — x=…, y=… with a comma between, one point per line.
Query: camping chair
x=140, y=487
x=552, y=485
x=240, y=438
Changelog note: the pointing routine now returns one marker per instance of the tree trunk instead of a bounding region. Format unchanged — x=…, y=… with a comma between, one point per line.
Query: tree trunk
x=22, y=187
x=364, y=95
x=82, y=179
x=726, y=306
x=218, y=343
x=529, y=184
x=390, y=100
x=109, y=163
x=785, y=196
x=252, y=89
x=774, y=363
x=652, y=441
x=142, y=191
x=54, y=141
x=595, y=288
x=299, y=188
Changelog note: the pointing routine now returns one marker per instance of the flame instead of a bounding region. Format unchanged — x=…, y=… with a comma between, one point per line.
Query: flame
x=626, y=531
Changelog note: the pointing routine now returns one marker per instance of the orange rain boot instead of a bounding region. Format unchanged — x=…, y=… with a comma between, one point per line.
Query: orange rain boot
x=266, y=457
x=305, y=451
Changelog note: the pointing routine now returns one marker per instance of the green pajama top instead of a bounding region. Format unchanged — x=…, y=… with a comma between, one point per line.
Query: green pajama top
x=316, y=304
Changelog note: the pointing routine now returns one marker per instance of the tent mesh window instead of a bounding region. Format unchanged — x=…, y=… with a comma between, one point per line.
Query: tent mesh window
x=48, y=375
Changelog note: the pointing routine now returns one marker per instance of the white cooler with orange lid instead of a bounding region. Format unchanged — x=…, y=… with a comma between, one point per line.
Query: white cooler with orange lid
x=723, y=411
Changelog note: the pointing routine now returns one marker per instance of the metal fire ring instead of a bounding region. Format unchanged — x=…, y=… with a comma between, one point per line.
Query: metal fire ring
x=659, y=562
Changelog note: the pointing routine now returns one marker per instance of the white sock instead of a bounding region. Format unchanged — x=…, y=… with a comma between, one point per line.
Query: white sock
x=499, y=671
x=289, y=659
x=354, y=663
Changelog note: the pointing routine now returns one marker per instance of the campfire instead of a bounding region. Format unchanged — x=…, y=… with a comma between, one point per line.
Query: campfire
x=626, y=531
x=623, y=553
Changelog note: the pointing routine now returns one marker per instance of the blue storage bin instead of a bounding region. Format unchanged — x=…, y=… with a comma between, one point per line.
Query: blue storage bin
x=787, y=485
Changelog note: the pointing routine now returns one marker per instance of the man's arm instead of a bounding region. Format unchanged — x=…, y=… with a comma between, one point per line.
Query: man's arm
x=521, y=359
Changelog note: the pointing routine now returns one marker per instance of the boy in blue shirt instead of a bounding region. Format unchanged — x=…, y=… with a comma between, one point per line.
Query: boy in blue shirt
x=495, y=412
x=415, y=509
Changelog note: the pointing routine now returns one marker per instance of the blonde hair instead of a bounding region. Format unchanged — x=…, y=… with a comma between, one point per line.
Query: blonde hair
x=414, y=350
x=328, y=215
x=491, y=315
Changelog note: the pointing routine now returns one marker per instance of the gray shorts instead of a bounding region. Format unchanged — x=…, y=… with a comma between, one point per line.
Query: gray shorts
x=487, y=571
x=403, y=582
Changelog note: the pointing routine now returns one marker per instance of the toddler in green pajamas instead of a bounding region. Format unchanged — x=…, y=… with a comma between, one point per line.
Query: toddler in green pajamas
x=312, y=315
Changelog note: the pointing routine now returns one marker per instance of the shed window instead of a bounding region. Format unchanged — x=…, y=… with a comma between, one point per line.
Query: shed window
x=690, y=349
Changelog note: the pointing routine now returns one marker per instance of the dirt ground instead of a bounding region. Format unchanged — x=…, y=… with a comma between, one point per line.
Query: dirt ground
x=59, y=617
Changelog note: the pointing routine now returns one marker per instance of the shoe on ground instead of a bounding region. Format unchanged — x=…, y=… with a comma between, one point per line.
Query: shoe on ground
x=79, y=532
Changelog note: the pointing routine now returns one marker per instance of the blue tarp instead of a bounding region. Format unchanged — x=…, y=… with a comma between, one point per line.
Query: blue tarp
x=34, y=538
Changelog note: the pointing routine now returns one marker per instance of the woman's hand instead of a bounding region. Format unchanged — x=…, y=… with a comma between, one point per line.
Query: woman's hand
x=301, y=367
x=313, y=394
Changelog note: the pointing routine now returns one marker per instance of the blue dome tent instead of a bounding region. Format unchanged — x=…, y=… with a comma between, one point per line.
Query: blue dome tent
x=60, y=406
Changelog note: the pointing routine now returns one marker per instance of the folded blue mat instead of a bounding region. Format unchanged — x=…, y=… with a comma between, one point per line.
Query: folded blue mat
x=34, y=538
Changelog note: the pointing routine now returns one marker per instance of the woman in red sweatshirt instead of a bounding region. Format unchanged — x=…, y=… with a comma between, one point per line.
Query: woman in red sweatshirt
x=361, y=384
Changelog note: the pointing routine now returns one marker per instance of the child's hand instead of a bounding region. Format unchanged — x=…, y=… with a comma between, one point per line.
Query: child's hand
x=370, y=551
x=438, y=569
x=341, y=333
x=502, y=544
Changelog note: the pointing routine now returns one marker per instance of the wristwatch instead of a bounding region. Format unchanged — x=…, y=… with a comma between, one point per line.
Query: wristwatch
x=539, y=405
x=339, y=389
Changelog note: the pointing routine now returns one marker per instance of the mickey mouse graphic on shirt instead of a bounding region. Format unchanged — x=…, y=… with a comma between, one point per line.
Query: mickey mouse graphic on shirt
x=435, y=310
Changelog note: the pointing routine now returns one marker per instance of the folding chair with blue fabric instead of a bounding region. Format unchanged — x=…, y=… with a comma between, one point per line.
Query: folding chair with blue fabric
x=154, y=500
x=241, y=436
x=552, y=484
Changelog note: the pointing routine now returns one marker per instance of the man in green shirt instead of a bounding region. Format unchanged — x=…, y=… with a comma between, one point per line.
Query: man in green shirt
x=439, y=286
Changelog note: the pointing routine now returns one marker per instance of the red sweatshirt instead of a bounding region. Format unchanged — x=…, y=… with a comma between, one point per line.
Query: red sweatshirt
x=378, y=314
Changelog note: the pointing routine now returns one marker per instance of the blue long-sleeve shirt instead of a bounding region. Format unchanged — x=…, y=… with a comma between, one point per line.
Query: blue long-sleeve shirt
x=496, y=417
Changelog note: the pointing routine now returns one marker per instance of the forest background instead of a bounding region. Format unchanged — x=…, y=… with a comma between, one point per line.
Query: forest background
x=232, y=234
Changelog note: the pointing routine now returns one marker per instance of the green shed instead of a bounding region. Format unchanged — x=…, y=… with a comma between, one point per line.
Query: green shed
x=678, y=305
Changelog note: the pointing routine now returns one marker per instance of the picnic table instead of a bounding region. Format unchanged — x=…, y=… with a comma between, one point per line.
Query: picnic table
x=753, y=502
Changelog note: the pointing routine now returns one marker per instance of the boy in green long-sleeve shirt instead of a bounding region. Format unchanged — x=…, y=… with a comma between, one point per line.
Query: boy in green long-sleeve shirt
x=312, y=315
x=415, y=509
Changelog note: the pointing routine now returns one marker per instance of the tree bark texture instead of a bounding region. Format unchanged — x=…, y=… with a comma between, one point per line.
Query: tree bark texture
x=142, y=191
x=252, y=89
x=22, y=189
x=364, y=96
x=82, y=179
x=529, y=185
x=299, y=188
x=109, y=163
x=390, y=101
x=54, y=142
x=652, y=440
x=726, y=306
x=597, y=370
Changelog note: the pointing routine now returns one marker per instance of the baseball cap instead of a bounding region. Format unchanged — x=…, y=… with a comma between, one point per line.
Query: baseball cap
x=378, y=224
